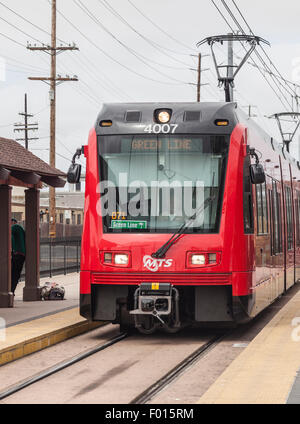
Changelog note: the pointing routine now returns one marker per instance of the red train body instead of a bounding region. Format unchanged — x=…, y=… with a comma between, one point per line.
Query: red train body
x=244, y=253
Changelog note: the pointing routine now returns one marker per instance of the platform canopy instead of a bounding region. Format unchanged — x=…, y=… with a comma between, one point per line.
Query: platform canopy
x=19, y=167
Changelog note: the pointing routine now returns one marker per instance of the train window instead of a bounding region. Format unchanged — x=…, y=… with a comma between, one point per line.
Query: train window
x=155, y=183
x=297, y=220
x=297, y=201
x=289, y=215
x=280, y=243
x=271, y=222
x=259, y=208
x=277, y=221
x=248, y=200
x=262, y=210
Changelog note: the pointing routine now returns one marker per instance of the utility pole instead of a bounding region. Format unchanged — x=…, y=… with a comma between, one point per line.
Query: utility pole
x=249, y=108
x=199, y=71
x=53, y=81
x=199, y=77
x=26, y=127
x=230, y=66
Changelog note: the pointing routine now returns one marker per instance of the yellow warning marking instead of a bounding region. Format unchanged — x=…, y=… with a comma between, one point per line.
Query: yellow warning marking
x=32, y=336
x=155, y=286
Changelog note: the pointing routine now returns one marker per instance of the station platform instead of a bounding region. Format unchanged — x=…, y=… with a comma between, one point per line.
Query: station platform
x=268, y=370
x=32, y=326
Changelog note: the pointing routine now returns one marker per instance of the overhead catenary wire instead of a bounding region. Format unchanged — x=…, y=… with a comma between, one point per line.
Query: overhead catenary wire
x=160, y=29
x=253, y=61
x=132, y=51
x=104, y=81
x=152, y=43
x=266, y=67
x=263, y=49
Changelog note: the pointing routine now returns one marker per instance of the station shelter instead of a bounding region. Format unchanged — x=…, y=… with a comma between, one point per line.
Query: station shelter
x=21, y=168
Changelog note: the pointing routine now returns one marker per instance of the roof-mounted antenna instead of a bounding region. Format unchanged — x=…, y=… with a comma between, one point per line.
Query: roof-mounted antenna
x=231, y=69
x=282, y=119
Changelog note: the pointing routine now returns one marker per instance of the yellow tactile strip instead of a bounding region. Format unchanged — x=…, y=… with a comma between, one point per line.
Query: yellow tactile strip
x=265, y=371
x=31, y=336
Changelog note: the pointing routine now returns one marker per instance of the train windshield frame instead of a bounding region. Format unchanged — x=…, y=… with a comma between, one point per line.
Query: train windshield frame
x=155, y=183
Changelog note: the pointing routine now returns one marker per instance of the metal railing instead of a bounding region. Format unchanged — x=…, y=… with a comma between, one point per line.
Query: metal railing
x=58, y=256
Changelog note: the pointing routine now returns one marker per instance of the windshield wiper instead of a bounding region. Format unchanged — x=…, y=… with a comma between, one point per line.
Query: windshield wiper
x=161, y=253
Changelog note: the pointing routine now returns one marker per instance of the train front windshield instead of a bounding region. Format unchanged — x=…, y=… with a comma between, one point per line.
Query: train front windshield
x=155, y=183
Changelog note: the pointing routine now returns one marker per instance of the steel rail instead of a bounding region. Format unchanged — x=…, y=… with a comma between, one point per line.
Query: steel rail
x=59, y=367
x=176, y=372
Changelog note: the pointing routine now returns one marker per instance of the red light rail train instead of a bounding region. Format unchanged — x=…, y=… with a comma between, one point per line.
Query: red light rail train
x=191, y=217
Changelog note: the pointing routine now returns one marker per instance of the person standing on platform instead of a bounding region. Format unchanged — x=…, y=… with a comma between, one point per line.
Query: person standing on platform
x=18, y=253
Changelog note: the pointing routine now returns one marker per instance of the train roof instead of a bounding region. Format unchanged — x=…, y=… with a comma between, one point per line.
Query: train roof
x=133, y=117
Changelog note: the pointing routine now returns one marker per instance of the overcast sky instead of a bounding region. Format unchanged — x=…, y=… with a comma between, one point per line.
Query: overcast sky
x=161, y=72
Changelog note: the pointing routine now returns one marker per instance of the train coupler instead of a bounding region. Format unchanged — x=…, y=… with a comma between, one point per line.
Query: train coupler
x=156, y=306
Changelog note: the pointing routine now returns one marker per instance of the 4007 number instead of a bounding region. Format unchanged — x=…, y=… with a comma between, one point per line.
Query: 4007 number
x=161, y=129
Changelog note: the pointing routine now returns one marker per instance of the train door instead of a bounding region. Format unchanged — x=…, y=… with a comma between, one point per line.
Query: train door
x=277, y=246
x=290, y=247
x=264, y=277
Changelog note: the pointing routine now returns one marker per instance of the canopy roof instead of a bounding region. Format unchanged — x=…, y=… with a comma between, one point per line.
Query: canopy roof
x=19, y=165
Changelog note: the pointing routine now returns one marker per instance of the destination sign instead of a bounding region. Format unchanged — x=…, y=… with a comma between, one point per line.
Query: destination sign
x=174, y=144
x=129, y=225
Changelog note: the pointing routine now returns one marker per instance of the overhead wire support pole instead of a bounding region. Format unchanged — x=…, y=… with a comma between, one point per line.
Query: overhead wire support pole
x=53, y=50
x=26, y=127
x=230, y=68
x=228, y=80
x=287, y=136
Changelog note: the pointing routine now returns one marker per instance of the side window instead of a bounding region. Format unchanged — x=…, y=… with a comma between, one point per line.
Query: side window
x=262, y=210
x=297, y=209
x=289, y=215
x=277, y=219
x=272, y=222
x=248, y=200
x=280, y=244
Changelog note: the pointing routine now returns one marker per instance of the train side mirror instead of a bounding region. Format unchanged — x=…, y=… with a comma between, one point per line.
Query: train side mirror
x=257, y=174
x=74, y=174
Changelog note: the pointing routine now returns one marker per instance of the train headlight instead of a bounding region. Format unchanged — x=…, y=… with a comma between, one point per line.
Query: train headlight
x=121, y=259
x=163, y=116
x=198, y=259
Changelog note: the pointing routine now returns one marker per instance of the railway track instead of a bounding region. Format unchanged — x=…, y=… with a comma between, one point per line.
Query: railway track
x=144, y=397
x=59, y=367
x=176, y=372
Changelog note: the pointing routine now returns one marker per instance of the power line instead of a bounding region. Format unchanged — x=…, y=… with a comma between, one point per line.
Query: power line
x=11, y=39
x=111, y=57
x=160, y=29
x=152, y=43
x=105, y=83
x=133, y=52
x=18, y=29
x=29, y=22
